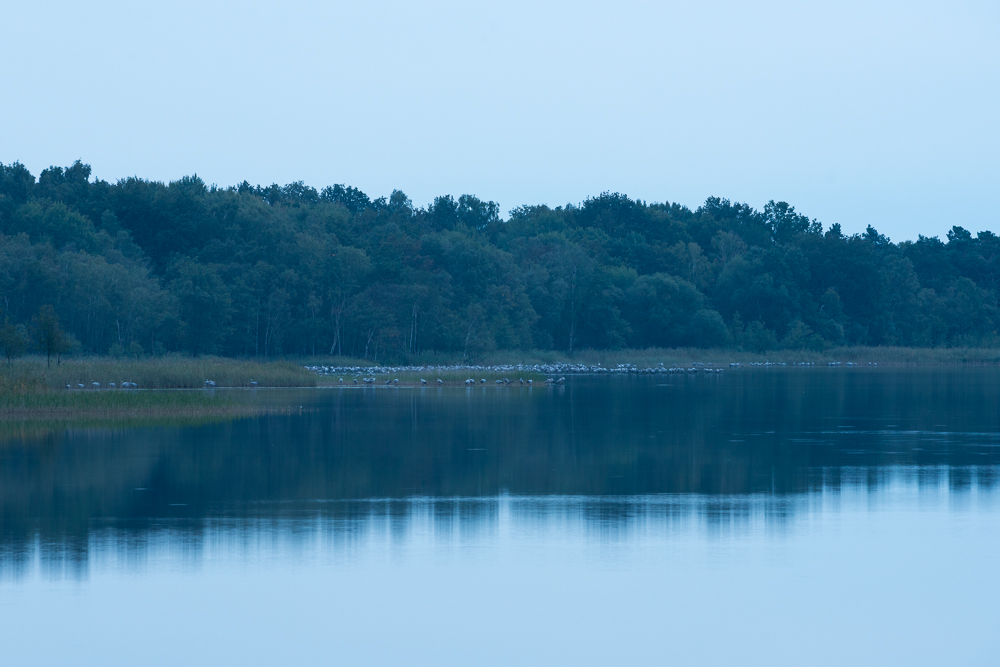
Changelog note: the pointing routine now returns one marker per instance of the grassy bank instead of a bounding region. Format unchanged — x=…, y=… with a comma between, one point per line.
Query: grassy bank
x=168, y=372
x=24, y=397
x=31, y=390
x=890, y=356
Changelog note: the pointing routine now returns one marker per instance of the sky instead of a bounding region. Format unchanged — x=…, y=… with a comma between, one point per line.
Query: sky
x=858, y=113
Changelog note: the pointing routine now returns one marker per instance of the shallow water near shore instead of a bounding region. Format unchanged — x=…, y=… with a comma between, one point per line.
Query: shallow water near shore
x=778, y=516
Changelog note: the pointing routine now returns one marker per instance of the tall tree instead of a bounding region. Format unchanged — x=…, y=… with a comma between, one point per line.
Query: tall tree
x=14, y=344
x=52, y=340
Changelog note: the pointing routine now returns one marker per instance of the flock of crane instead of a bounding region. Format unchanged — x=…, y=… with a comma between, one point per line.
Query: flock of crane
x=469, y=382
x=368, y=374
x=106, y=385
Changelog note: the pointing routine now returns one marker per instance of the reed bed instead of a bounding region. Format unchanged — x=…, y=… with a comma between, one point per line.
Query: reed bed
x=30, y=390
x=168, y=372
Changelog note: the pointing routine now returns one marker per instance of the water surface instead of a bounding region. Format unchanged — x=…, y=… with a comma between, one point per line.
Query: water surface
x=771, y=516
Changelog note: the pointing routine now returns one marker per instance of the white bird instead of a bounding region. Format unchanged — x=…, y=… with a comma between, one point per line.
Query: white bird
x=209, y=383
x=253, y=383
x=341, y=380
x=95, y=385
x=469, y=381
x=79, y=385
x=439, y=381
x=423, y=381
x=521, y=380
x=396, y=381
x=483, y=380
x=530, y=381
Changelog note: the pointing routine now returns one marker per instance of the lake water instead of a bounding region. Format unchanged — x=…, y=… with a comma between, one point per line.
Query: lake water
x=771, y=517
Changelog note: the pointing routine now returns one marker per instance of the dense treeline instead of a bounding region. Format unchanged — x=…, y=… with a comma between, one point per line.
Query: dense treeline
x=144, y=267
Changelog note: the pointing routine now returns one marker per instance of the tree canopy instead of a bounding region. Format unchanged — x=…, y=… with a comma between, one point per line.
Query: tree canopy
x=247, y=270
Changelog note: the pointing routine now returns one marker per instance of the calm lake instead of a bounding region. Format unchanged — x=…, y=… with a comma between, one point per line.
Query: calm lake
x=761, y=516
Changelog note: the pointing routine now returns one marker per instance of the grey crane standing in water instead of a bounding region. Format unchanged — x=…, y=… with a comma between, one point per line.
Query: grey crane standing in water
x=423, y=381
x=467, y=382
x=483, y=380
x=440, y=381
x=521, y=380
x=355, y=380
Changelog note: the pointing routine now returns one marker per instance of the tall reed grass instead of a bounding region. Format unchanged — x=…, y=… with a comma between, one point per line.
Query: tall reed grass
x=168, y=372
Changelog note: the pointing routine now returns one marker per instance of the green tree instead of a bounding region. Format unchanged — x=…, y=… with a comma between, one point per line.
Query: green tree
x=12, y=341
x=52, y=340
x=759, y=338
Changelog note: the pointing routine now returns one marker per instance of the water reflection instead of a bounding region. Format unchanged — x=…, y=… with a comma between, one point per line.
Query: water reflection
x=613, y=455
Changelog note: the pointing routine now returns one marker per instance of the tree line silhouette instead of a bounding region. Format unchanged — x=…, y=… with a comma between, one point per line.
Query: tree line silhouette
x=139, y=267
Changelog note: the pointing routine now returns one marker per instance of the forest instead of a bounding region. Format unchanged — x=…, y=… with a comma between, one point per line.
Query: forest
x=139, y=267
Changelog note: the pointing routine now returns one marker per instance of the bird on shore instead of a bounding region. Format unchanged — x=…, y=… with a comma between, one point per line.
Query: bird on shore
x=521, y=380
x=483, y=380
x=530, y=381
x=341, y=380
x=469, y=381
x=95, y=385
x=387, y=382
x=253, y=383
x=79, y=385
x=396, y=381
x=355, y=380
x=439, y=381
x=209, y=383
x=423, y=381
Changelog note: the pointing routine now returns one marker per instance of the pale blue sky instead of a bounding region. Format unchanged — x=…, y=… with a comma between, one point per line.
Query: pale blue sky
x=882, y=113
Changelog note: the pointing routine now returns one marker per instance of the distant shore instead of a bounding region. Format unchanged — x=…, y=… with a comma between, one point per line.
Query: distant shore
x=107, y=388
x=684, y=357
